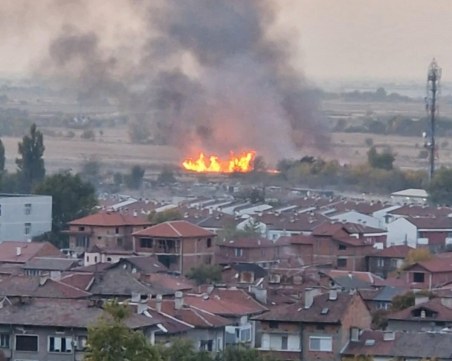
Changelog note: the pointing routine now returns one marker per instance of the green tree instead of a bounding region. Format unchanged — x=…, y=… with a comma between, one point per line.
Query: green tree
x=440, y=188
x=166, y=176
x=111, y=340
x=384, y=160
x=165, y=216
x=183, y=350
x=401, y=302
x=205, y=274
x=135, y=178
x=242, y=354
x=72, y=198
x=90, y=171
x=30, y=165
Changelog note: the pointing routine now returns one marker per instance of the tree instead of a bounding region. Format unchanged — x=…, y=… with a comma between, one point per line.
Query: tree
x=135, y=178
x=416, y=255
x=111, y=340
x=30, y=165
x=440, y=188
x=205, y=274
x=165, y=216
x=384, y=160
x=72, y=198
x=401, y=302
x=166, y=176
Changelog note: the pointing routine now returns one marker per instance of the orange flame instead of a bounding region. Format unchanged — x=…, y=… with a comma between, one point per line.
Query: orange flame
x=213, y=164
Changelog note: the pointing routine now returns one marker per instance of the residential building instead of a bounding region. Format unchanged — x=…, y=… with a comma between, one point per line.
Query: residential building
x=317, y=328
x=389, y=345
x=96, y=254
x=411, y=195
x=24, y=217
x=432, y=315
x=55, y=329
x=19, y=253
x=247, y=250
x=179, y=245
x=430, y=274
x=52, y=267
x=233, y=304
x=386, y=261
x=106, y=230
x=207, y=329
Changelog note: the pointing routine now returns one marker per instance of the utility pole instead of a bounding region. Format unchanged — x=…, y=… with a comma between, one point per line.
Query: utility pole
x=433, y=78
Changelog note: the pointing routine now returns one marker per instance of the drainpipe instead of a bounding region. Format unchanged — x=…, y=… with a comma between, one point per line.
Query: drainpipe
x=301, y=342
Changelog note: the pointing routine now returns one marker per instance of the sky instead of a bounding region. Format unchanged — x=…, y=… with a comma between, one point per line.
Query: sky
x=335, y=39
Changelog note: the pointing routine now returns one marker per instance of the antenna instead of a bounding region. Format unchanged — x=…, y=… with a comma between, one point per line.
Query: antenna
x=433, y=78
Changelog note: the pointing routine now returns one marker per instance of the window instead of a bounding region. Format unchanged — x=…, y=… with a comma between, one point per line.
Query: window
x=27, y=228
x=60, y=344
x=284, y=342
x=26, y=343
x=4, y=340
x=117, y=230
x=206, y=345
x=342, y=247
x=146, y=243
x=95, y=259
x=108, y=259
x=81, y=342
x=209, y=242
x=321, y=343
x=273, y=324
x=342, y=262
x=238, y=252
x=245, y=335
x=0, y=209
x=81, y=229
x=380, y=262
x=418, y=277
x=27, y=209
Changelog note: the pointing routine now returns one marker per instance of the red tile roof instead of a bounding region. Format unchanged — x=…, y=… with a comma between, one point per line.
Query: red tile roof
x=421, y=211
x=111, y=219
x=196, y=317
x=174, y=229
x=298, y=239
x=28, y=250
x=226, y=302
x=400, y=251
x=435, y=265
x=81, y=281
x=444, y=313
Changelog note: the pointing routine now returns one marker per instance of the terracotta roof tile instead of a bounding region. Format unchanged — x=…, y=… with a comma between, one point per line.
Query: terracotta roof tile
x=226, y=302
x=111, y=219
x=400, y=251
x=247, y=243
x=175, y=229
x=443, y=313
x=28, y=250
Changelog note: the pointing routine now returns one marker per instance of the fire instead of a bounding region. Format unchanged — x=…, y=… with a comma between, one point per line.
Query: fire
x=214, y=164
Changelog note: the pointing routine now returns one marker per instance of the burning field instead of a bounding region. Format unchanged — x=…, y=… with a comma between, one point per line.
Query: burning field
x=241, y=163
x=214, y=75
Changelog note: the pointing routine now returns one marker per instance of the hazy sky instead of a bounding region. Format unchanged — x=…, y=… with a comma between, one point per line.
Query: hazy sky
x=337, y=38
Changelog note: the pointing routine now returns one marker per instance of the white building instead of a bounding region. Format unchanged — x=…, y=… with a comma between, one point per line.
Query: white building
x=23, y=217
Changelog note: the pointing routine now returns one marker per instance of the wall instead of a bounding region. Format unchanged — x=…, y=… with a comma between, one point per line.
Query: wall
x=13, y=217
x=401, y=232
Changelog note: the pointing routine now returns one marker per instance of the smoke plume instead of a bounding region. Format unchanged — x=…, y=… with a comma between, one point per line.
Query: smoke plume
x=200, y=74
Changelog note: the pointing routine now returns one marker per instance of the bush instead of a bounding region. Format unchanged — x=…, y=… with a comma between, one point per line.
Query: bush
x=88, y=134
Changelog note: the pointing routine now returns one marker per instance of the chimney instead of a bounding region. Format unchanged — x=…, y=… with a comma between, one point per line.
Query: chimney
x=43, y=280
x=135, y=213
x=332, y=295
x=158, y=303
x=309, y=294
x=178, y=300
x=18, y=251
x=141, y=307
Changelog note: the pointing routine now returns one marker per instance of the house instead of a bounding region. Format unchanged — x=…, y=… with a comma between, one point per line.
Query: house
x=411, y=195
x=96, y=254
x=179, y=245
x=389, y=345
x=246, y=250
x=351, y=280
x=430, y=274
x=24, y=216
x=344, y=246
x=317, y=328
x=233, y=304
x=55, y=329
x=49, y=266
x=432, y=315
x=19, y=253
x=388, y=260
x=207, y=330
x=432, y=232
x=242, y=274
x=380, y=298
x=105, y=229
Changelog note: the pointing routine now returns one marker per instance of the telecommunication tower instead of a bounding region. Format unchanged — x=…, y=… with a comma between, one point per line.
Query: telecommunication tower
x=433, y=78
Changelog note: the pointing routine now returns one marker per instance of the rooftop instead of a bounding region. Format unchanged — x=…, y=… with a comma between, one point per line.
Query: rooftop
x=174, y=229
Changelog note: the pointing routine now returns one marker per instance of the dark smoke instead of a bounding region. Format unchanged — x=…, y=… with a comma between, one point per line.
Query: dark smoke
x=207, y=77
